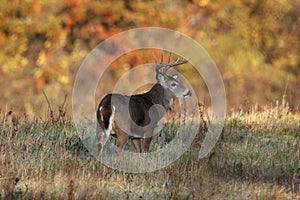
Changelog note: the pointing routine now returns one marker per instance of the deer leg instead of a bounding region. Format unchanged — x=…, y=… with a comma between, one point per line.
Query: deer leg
x=102, y=137
x=137, y=143
x=104, y=127
x=121, y=141
x=146, y=143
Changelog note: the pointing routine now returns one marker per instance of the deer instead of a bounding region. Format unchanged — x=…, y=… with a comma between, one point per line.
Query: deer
x=135, y=117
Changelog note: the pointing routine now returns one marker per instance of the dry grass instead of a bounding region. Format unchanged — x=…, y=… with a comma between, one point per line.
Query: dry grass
x=257, y=157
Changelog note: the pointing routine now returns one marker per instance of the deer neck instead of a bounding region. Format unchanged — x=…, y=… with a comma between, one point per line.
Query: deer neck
x=159, y=95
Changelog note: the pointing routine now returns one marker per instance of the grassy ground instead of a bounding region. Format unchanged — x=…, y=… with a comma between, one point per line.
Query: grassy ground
x=257, y=157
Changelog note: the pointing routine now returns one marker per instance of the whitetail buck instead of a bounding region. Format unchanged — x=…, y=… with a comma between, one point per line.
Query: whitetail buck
x=135, y=117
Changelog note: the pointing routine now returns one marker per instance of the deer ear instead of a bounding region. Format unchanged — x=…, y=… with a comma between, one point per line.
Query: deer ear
x=160, y=78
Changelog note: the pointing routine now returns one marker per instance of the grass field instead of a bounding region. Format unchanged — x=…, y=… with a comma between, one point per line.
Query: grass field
x=257, y=157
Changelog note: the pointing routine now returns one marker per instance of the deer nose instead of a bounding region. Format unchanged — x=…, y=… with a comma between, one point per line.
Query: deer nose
x=187, y=94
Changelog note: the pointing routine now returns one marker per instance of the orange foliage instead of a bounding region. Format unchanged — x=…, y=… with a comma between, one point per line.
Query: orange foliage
x=45, y=42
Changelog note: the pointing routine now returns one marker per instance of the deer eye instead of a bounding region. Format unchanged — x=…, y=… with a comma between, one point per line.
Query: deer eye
x=173, y=84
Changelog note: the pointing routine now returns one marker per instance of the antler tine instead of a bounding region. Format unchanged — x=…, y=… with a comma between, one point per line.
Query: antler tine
x=166, y=66
x=173, y=64
x=158, y=66
x=169, y=57
x=155, y=59
x=178, y=62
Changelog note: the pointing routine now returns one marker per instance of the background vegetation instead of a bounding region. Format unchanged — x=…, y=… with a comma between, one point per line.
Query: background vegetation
x=254, y=43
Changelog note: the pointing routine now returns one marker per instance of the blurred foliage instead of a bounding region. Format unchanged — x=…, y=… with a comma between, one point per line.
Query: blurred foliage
x=254, y=43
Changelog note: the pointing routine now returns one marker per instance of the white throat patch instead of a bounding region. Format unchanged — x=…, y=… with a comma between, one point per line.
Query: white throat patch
x=171, y=102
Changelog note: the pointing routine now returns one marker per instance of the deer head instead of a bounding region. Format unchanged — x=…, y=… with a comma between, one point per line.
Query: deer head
x=170, y=82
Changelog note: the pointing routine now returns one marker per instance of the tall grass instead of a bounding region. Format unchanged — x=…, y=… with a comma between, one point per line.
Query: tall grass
x=257, y=157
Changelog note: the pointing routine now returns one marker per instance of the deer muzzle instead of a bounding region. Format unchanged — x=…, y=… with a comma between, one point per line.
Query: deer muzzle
x=187, y=94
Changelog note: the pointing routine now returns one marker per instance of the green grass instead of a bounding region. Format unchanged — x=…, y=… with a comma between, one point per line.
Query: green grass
x=257, y=157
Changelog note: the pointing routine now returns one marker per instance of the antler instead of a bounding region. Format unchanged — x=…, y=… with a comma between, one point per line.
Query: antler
x=169, y=64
